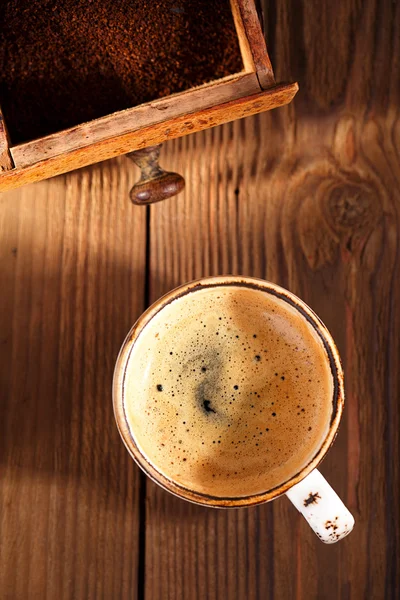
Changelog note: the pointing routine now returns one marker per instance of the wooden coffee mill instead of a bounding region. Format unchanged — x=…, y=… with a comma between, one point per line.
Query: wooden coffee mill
x=138, y=131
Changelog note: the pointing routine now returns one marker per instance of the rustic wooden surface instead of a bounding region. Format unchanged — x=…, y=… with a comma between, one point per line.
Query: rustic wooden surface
x=253, y=32
x=131, y=120
x=5, y=157
x=109, y=147
x=307, y=196
x=72, y=278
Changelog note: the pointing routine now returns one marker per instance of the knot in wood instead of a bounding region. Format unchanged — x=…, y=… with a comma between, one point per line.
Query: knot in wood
x=350, y=207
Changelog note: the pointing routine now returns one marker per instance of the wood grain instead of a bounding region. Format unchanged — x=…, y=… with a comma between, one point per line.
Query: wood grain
x=72, y=278
x=258, y=47
x=244, y=42
x=6, y=162
x=149, y=136
x=307, y=196
x=133, y=119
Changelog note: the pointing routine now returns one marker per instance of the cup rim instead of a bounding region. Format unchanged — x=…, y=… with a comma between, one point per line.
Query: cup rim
x=118, y=391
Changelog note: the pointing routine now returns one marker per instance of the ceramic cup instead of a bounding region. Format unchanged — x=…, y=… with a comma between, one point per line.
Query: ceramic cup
x=307, y=490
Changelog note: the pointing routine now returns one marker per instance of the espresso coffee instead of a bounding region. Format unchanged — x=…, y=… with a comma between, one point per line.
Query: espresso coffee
x=227, y=390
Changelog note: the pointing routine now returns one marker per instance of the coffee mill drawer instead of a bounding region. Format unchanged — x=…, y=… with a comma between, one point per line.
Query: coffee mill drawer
x=81, y=82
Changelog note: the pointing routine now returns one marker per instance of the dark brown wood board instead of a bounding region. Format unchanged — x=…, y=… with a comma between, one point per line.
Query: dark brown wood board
x=72, y=273
x=307, y=196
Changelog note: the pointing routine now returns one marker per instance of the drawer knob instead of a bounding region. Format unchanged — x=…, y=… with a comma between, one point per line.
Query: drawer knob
x=155, y=184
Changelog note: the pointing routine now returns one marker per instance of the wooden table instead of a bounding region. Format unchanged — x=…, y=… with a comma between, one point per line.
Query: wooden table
x=307, y=196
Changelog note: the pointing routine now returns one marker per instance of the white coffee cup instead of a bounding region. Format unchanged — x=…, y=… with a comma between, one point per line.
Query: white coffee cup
x=307, y=490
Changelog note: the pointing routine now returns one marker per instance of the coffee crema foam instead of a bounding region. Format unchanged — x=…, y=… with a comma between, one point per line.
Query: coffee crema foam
x=228, y=391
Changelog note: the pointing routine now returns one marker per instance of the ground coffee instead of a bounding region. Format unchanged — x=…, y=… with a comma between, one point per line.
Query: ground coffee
x=64, y=62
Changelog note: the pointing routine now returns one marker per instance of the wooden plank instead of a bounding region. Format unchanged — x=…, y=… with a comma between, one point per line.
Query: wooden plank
x=256, y=40
x=6, y=162
x=134, y=119
x=308, y=197
x=205, y=553
x=156, y=134
x=72, y=255
x=244, y=43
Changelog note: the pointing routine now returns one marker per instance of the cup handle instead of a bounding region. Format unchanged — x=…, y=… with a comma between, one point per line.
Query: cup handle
x=322, y=508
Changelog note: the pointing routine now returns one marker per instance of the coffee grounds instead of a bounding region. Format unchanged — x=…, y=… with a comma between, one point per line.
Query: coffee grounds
x=64, y=62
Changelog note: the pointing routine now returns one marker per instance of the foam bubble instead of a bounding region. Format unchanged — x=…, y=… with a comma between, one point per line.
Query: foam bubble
x=228, y=391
